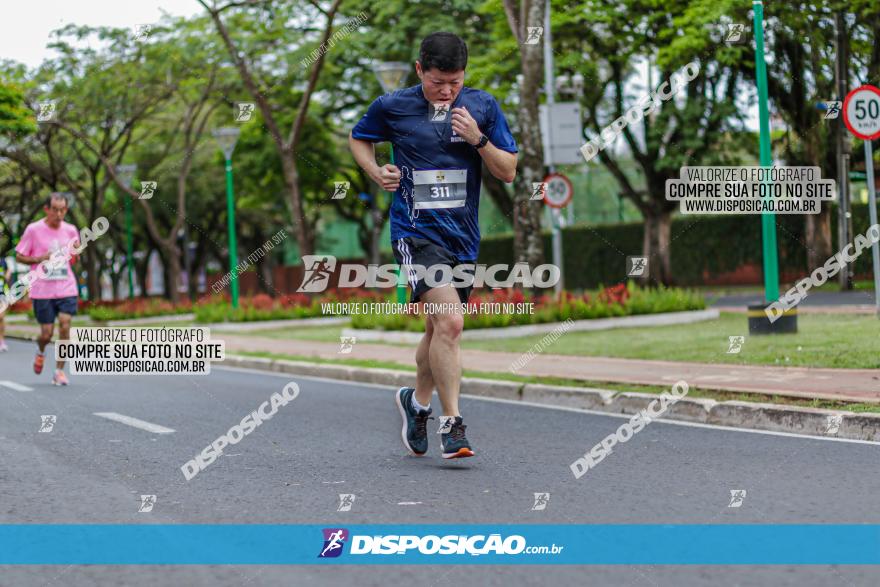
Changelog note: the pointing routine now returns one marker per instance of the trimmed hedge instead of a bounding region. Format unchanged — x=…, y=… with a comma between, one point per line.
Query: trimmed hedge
x=138, y=308
x=593, y=255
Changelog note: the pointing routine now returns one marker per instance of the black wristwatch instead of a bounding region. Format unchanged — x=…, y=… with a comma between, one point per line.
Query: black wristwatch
x=484, y=140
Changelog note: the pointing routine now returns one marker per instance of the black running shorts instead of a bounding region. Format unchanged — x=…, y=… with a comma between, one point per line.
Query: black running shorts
x=418, y=251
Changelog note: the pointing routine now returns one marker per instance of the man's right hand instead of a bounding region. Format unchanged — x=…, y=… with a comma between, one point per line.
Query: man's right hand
x=388, y=177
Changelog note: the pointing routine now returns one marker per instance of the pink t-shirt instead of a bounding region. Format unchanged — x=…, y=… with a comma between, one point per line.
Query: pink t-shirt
x=38, y=239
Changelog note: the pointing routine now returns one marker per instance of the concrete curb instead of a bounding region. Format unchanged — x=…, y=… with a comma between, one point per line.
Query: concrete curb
x=756, y=416
x=662, y=319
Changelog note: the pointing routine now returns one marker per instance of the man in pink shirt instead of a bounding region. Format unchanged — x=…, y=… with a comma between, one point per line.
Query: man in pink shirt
x=54, y=292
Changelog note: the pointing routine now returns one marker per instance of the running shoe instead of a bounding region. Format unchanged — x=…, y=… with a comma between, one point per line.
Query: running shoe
x=3, y=347
x=60, y=378
x=414, y=432
x=455, y=443
x=38, y=363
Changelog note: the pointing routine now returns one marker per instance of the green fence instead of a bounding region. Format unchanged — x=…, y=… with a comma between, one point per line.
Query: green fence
x=596, y=255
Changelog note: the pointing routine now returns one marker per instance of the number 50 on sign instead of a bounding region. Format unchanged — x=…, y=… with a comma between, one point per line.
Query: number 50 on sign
x=861, y=112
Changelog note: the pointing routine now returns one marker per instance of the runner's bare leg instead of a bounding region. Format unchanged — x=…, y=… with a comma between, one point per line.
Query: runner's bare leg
x=424, y=378
x=63, y=332
x=46, y=332
x=443, y=353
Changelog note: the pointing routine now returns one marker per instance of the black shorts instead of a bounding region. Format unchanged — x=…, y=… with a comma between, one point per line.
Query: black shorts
x=418, y=251
x=47, y=310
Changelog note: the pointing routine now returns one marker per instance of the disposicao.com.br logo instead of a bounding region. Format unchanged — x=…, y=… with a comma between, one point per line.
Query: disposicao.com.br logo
x=319, y=269
x=334, y=540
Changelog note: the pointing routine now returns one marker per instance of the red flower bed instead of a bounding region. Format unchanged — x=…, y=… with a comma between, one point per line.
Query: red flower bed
x=612, y=295
x=136, y=308
x=616, y=294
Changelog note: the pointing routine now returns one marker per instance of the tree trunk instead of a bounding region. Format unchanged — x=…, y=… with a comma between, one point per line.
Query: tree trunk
x=305, y=237
x=93, y=281
x=375, y=233
x=141, y=271
x=171, y=256
x=498, y=193
x=817, y=236
x=655, y=246
x=198, y=271
x=115, y=277
x=267, y=264
x=528, y=245
x=174, y=277
x=817, y=227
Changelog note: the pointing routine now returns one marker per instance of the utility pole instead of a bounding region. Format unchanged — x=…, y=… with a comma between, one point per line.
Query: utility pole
x=844, y=221
x=554, y=214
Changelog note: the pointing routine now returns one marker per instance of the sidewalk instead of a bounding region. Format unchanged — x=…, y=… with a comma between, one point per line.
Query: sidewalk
x=855, y=385
x=820, y=302
x=861, y=385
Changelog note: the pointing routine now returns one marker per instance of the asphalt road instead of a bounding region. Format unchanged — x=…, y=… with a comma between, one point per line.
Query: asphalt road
x=339, y=437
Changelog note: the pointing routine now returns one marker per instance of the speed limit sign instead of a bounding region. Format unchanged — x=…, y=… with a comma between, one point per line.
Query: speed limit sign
x=559, y=190
x=861, y=112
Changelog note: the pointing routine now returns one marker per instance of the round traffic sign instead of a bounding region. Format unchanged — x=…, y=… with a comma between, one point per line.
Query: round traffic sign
x=559, y=190
x=861, y=112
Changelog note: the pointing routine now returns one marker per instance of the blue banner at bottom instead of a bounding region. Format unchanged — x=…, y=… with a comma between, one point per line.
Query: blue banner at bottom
x=256, y=544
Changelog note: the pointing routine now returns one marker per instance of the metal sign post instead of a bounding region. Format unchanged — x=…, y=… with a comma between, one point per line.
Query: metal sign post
x=557, y=195
x=872, y=212
x=392, y=76
x=861, y=114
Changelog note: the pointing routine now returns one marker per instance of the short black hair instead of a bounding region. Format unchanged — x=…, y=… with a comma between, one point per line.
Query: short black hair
x=444, y=51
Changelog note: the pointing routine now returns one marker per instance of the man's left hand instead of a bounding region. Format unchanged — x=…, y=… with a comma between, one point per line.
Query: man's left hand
x=465, y=126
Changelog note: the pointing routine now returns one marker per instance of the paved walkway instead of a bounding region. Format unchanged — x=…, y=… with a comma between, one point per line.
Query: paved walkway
x=830, y=302
x=862, y=385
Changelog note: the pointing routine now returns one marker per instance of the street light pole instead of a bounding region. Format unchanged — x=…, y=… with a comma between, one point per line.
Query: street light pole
x=391, y=76
x=768, y=220
x=227, y=137
x=126, y=174
x=230, y=221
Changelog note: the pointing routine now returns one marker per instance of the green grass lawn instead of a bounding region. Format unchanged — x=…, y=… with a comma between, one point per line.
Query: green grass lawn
x=844, y=341
x=823, y=340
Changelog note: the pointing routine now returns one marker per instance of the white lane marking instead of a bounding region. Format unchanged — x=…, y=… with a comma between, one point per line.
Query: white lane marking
x=575, y=410
x=15, y=386
x=409, y=503
x=148, y=426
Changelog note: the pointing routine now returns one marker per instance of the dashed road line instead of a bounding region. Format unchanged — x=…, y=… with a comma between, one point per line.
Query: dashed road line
x=128, y=420
x=15, y=386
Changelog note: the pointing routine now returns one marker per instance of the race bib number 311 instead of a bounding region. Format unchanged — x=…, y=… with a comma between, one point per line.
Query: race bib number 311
x=439, y=188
